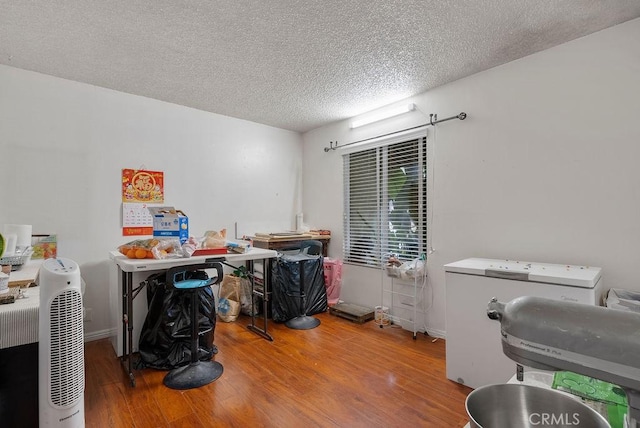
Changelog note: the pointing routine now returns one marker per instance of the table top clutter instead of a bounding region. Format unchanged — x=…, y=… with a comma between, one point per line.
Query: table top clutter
x=289, y=236
x=138, y=265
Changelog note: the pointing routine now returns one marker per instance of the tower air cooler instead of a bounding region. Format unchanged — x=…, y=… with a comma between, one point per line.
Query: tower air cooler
x=61, y=345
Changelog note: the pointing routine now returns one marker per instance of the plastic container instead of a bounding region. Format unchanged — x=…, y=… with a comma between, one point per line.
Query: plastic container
x=381, y=315
x=332, y=279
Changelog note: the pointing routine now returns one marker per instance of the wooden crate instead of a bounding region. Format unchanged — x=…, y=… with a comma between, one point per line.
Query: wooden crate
x=355, y=313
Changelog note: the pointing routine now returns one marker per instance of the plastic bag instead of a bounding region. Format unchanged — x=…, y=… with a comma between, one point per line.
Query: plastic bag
x=409, y=270
x=165, y=337
x=246, y=298
x=287, y=275
x=624, y=300
x=412, y=269
x=189, y=247
x=152, y=249
x=229, y=298
x=214, y=239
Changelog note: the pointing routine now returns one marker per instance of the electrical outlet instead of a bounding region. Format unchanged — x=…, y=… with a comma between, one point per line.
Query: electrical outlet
x=88, y=314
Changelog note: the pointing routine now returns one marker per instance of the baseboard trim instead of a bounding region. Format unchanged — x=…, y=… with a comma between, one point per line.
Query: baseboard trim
x=100, y=334
x=436, y=333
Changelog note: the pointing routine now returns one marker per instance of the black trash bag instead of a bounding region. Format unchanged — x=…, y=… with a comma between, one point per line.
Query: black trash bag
x=165, y=338
x=286, y=275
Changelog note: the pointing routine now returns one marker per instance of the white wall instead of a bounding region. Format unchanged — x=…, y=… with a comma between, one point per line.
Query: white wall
x=544, y=169
x=63, y=145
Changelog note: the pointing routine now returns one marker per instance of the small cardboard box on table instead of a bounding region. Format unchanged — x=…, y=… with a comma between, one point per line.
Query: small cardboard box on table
x=170, y=223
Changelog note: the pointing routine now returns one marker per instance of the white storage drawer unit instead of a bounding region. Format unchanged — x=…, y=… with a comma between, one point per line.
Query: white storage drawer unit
x=473, y=348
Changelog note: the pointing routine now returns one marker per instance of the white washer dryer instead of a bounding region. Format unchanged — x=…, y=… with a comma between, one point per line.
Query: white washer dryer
x=474, y=354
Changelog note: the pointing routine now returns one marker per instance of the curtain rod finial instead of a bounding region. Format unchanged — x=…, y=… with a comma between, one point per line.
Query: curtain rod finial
x=331, y=146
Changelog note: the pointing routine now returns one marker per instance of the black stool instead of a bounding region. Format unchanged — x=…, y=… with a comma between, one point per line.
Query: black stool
x=303, y=321
x=197, y=373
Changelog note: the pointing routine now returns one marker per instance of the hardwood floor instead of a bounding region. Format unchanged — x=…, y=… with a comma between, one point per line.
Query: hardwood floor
x=340, y=374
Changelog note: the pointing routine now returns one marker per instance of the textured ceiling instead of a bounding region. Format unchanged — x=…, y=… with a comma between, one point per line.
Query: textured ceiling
x=292, y=64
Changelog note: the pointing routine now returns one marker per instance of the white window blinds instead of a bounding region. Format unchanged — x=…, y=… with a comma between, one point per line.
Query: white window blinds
x=385, y=202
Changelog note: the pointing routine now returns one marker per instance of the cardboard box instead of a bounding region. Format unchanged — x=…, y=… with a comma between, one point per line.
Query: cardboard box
x=170, y=223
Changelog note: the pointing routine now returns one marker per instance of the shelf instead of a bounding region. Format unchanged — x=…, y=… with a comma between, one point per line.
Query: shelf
x=402, y=289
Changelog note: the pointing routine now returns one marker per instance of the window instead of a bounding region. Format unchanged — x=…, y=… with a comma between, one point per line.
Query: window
x=385, y=196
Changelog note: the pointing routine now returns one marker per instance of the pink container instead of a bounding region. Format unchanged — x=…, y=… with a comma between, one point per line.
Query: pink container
x=332, y=279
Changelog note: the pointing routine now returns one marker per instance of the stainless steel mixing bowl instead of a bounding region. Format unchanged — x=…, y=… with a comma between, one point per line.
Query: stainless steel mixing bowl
x=521, y=406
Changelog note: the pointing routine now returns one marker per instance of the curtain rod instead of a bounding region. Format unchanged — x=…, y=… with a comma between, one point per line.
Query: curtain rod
x=433, y=119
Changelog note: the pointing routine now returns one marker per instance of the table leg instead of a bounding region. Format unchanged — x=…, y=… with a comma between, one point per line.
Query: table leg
x=127, y=325
x=265, y=299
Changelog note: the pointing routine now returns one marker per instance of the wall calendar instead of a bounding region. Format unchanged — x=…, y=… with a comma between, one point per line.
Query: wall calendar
x=141, y=189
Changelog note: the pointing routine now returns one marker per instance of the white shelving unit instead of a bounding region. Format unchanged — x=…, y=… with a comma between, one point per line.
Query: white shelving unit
x=402, y=295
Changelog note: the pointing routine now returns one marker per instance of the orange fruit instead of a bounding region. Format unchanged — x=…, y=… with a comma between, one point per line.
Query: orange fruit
x=131, y=253
x=149, y=254
x=141, y=253
x=124, y=249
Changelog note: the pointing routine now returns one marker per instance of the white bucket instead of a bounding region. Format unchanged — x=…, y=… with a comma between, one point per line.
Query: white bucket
x=381, y=315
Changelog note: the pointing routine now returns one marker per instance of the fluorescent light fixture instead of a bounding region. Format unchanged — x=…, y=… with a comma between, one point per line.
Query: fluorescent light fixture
x=383, y=114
